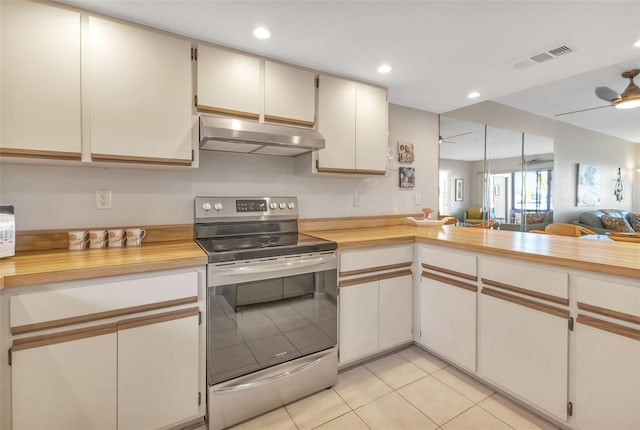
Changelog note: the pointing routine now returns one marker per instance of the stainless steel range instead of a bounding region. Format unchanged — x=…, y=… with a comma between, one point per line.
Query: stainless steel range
x=271, y=301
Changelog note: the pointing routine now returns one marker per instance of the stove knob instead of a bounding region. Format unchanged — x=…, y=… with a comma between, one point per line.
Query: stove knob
x=217, y=206
x=291, y=205
x=206, y=206
x=273, y=205
x=282, y=205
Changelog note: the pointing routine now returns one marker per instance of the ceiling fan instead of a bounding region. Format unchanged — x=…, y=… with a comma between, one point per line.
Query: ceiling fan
x=629, y=99
x=446, y=139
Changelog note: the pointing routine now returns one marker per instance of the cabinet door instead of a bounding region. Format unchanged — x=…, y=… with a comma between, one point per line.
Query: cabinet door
x=228, y=83
x=448, y=319
x=158, y=359
x=39, y=80
x=607, y=379
x=65, y=381
x=371, y=128
x=138, y=94
x=358, y=321
x=525, y=351
x=289, y=95
x=395, y=311
x=336, y=122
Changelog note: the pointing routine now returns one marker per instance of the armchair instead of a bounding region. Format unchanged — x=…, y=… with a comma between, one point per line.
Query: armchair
x=474, y=215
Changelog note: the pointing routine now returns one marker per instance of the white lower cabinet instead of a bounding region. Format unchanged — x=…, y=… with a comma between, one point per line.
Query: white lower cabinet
x=137, y=363
x=448, y=295
x=376, y=300
x=607, y=366
x=524, y=333
x=358, y=321
x=65, y=383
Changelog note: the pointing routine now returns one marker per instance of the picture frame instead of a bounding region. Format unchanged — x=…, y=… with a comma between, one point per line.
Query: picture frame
x=588, y=185
x=407, y=176
x=405, y=152
x=459, y=190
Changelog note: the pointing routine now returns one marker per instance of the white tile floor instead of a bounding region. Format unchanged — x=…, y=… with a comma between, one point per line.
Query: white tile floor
x=408, y=389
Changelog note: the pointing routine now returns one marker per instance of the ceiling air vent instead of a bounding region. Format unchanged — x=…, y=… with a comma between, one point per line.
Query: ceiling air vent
x=543, y=56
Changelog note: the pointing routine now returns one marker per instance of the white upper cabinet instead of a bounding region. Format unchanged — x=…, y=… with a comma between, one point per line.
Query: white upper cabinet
x=228, y=83
x=353, y=118
x=137, y=94
x=39, y=81
x=372, y=125
x=289, y=94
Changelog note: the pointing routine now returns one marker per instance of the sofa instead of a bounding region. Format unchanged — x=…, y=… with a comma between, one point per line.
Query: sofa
x=618, y=221
x=533, y=221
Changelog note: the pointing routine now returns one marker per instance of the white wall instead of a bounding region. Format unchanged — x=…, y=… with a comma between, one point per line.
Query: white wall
x=64, y=196
x=458, y=169
x=572, y=145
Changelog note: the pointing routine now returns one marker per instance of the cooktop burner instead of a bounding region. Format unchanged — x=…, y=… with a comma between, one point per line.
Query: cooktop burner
x=244, y=248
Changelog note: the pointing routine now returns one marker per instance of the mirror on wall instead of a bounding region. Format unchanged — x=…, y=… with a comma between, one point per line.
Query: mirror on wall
x=491, y=174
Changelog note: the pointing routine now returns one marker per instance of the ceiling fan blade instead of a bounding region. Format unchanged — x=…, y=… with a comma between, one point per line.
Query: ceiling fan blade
x=582, y=110
x=459, y=134
x=606, y=93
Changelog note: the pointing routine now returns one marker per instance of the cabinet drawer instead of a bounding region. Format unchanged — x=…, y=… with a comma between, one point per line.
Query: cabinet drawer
x=59, y=308
x=449, y=262
x=357, y=261
x=600, y=296
x=540, y=283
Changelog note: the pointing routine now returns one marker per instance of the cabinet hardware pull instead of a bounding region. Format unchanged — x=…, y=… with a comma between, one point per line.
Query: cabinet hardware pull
x=450, y=272
x=609, y=313
x=526, y=292
x=449, y=281
x=373, y=278
x=542, y=307
x=375, y=269
x=609, y=326
x=570, y=321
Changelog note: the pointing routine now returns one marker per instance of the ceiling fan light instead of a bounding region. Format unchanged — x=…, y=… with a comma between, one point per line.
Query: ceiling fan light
x=628, y=103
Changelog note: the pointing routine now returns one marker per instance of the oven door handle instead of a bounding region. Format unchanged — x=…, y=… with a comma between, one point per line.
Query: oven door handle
x=309, y=362
x=274, y=267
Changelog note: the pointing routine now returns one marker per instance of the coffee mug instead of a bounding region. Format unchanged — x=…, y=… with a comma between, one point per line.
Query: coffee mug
x=135, y=236
x=115, y=238
x=78, y=240
x=97, y=238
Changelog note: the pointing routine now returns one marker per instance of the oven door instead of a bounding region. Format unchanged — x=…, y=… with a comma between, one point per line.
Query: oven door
x=266, y=312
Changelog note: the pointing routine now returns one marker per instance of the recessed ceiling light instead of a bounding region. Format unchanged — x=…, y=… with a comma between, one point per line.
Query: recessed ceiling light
x=637, y=44
x=473, y=95
x=261, y=33
x=384, y=68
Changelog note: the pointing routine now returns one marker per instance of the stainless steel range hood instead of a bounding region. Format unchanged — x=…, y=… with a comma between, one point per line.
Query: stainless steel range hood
x=251, y=137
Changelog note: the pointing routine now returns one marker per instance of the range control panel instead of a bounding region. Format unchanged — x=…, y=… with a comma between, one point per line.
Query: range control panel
x=250, y=207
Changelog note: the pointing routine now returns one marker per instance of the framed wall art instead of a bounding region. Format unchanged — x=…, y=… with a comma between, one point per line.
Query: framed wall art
x=405, y=152
x=588, y=192
x=459, y=190
x=407, y=177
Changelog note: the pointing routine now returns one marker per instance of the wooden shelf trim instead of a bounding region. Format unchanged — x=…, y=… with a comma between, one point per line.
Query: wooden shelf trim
x=351, y=171
x=618, y=329
x=609, y=313
x=158, y=318
x=526, y=292
x=373, y=278
x=449, y=281
x=227, y=112
x=375, y=269
x=36, y=153
x=63, y=322
x=65, y=336
x=450, y=272
x=289, y=121
x=111, y=158
x=563, y=313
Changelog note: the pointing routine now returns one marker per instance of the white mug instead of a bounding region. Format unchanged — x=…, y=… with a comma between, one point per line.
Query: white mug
x=135, y=236
x=116, y=237
x=98, y=238
x=78, y=240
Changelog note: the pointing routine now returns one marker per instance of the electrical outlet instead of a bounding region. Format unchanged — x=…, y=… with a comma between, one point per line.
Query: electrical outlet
x=103, y=199
x=356, y=200
x=418, y=199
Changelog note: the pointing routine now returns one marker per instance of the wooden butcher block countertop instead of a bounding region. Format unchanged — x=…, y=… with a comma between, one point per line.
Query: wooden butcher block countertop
x=606, y=256
x=38, y=267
